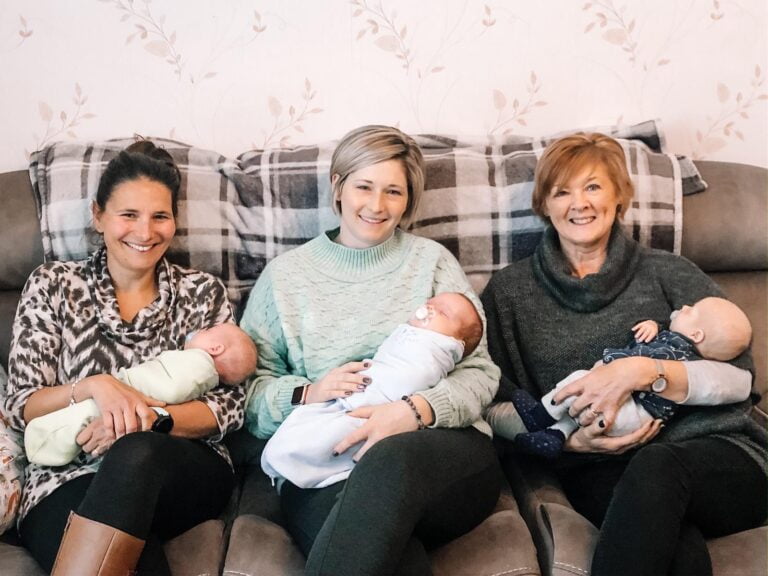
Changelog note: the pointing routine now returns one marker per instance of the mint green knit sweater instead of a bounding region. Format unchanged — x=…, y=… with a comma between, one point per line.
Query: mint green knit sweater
x=323, y=304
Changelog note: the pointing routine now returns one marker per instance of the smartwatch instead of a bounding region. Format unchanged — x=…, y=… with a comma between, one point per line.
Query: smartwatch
x=299, y=395
x=163, y=424
x=659, y=384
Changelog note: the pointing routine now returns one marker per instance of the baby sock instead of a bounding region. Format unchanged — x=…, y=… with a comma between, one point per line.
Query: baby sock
x=544, y=443
x=531, y=411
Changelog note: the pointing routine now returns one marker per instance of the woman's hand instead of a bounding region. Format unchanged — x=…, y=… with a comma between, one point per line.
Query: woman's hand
x=600, y=393
x=95, y=439
x=123, y=409
x=592, y=439
x=339, y=383
x=382, y=420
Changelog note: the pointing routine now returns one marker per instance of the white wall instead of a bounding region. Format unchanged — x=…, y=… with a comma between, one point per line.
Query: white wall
x=234, y=74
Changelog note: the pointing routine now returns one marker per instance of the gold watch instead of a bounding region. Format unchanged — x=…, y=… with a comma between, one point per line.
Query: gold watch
x=659, y=384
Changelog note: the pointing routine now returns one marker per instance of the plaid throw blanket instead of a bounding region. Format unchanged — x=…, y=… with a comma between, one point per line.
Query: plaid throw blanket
x=237, y=214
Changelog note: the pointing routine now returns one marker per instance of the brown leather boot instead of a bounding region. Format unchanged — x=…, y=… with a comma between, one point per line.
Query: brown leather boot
x=90, y=548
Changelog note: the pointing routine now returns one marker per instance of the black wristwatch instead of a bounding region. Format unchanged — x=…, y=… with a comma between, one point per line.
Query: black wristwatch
x=299, y=395
x=163, y=424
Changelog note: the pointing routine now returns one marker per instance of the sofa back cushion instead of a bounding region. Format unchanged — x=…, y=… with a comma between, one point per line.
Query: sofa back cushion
x=237, y=214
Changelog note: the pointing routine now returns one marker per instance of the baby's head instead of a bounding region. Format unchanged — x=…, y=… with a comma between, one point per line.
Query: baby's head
x=234, y=353
x=719, y=329
x=451, y=314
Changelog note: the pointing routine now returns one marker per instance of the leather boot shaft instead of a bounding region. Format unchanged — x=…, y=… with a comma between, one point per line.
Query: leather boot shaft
x=90, y=548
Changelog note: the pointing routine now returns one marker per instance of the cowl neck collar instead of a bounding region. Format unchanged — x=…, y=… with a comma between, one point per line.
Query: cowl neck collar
x=594, y=291
x=148, y=321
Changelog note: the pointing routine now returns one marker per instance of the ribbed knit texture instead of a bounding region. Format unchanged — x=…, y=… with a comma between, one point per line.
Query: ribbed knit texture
x=323, y=304
x=544, y=324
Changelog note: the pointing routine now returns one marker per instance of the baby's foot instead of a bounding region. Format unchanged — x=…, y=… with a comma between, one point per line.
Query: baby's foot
x=544, y=443
x=531, y=411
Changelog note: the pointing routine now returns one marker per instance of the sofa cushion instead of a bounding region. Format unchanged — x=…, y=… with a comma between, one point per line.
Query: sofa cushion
x=21, y=230
x=477, y=198
x=713, y=236
x=236, y=215
x=258, y=547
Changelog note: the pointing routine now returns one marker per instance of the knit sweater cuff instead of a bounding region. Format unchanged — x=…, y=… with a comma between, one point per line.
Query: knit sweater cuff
x=285, y=393
x=441, y=406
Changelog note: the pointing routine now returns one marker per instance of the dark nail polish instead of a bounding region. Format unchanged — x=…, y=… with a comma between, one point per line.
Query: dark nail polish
x=348, y=393
x=601, y=424
x=552, y=401
x=335, y=453
x=366, y=380
x=366, y=364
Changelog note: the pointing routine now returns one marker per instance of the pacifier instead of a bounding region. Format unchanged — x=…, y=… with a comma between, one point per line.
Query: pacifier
x=424, y=314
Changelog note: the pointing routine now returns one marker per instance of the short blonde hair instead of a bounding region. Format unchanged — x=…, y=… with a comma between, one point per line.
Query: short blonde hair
x=563, y=158
x=372, y=144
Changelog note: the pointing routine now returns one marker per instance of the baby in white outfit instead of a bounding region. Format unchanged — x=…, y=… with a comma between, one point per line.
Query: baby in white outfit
x=416, y=356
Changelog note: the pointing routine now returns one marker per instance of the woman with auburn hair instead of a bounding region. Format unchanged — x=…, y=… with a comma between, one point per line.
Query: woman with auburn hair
x=655, y=494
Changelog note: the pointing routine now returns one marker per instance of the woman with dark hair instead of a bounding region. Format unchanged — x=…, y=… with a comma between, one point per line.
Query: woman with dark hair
x=147, y=471
x=655, y=494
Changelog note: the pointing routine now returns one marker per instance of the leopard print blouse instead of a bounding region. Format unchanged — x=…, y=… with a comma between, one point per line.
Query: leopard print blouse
x=68, y=326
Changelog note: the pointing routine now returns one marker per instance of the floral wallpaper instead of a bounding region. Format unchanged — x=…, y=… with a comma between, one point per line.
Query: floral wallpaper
x=245, y=74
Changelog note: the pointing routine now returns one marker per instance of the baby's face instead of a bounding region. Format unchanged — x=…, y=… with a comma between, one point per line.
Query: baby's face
x=443, y=313
x=686, y=320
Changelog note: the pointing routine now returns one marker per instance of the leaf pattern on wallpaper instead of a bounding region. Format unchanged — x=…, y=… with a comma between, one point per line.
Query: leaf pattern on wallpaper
x=717, y=12
x=62, y=124
x=150, y=30
x=24, y=32
x=725, y=125
x=614, y=27
x=289, y=119
x=390, y=36
x=17, y=37
x=510, y=115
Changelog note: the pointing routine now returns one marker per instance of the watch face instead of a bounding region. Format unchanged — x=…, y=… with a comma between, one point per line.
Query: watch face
x=297, y=395
x=163, y=424
x=659, y=385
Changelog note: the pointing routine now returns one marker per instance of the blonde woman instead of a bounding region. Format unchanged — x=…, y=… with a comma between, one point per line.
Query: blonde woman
x=426, y=471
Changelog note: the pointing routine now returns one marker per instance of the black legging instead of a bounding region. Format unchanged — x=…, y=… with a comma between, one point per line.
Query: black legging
x=656, y=510
x=152, y=486
x=410, y=491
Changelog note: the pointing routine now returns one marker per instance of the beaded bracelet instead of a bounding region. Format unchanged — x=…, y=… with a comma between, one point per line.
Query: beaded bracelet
x=72, y=400
x=410, y=403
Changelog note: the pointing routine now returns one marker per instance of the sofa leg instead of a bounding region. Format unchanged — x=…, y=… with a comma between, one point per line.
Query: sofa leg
x=90, y=548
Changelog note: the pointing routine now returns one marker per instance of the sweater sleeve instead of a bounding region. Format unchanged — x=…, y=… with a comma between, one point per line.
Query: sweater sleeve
x=684, y=283
x=459, y=399
x=269, y=391
x=36, y=343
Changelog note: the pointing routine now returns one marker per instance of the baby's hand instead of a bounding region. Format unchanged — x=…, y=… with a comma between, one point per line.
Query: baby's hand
x=645, y=331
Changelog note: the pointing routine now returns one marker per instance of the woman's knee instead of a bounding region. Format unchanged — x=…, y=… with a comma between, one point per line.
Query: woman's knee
x=656, y=468
x=140, y=450
x=427, y=458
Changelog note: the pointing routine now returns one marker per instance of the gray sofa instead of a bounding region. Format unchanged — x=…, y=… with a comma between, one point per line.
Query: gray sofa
x=533, y=529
